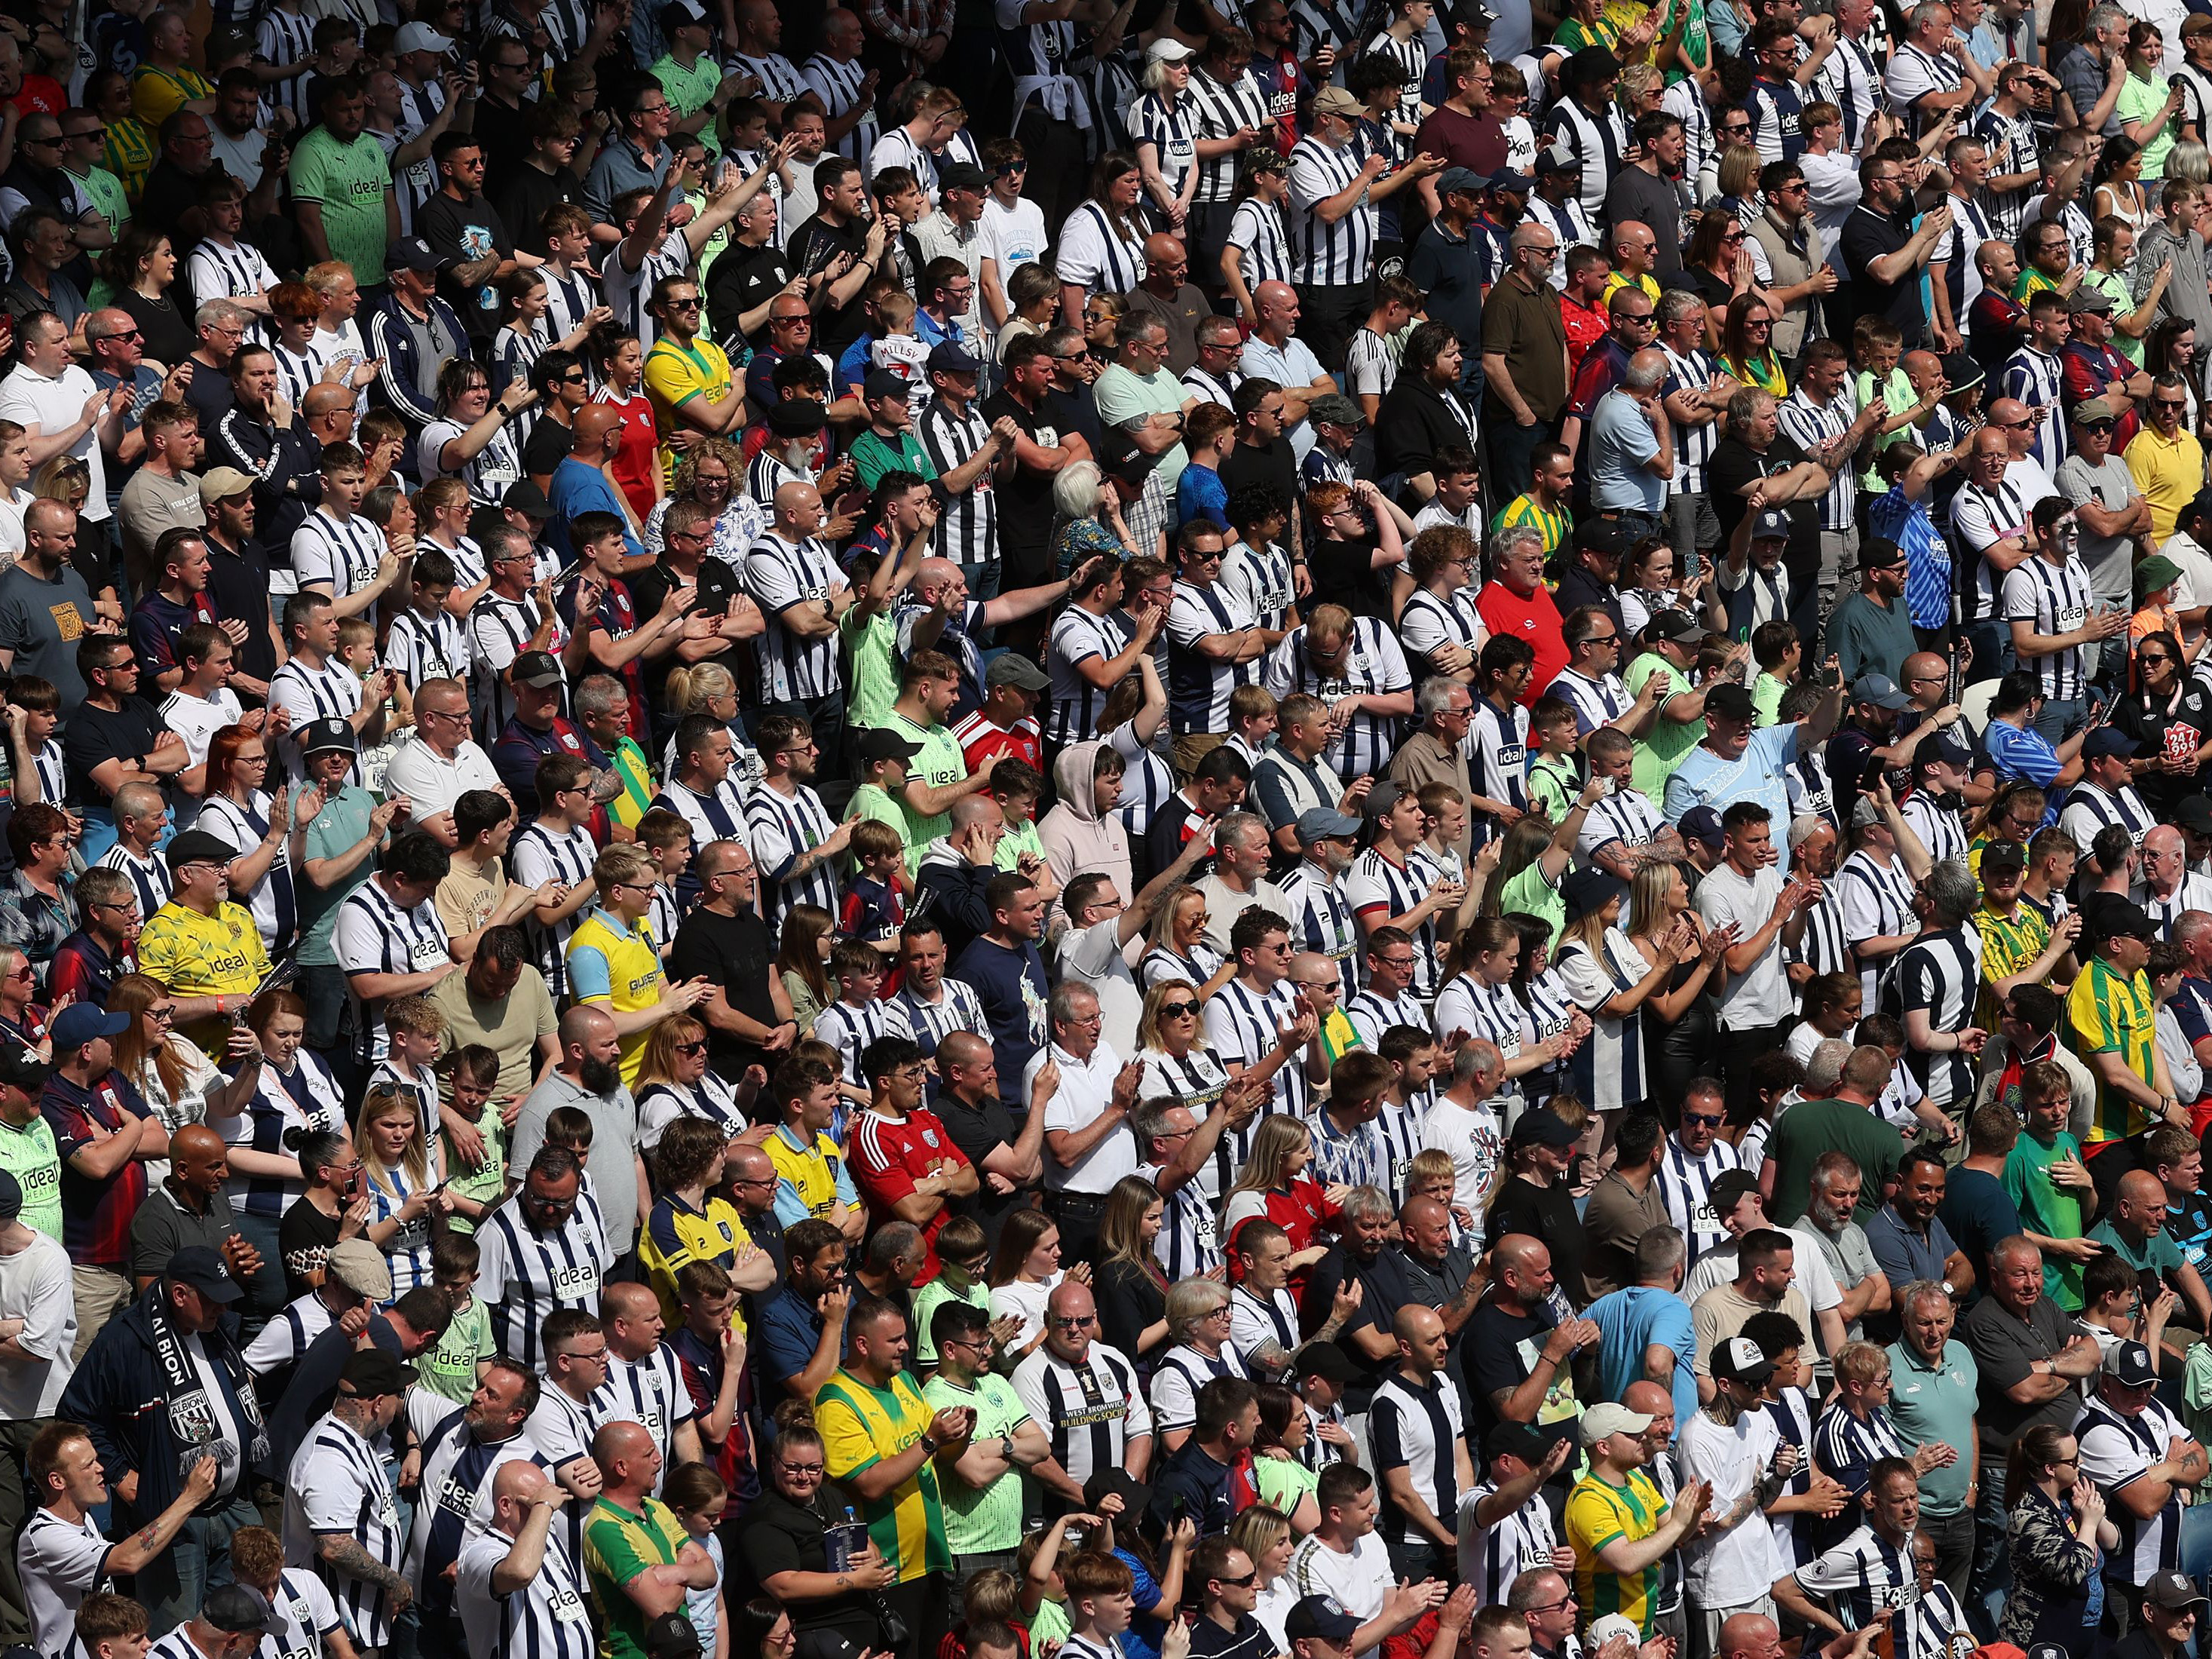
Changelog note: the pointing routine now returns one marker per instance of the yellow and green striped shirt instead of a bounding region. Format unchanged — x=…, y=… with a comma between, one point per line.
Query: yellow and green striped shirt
x=2112, y=1015
x=862, y=1425
x=1555, y=526
x=1597, y=1514
x=2008, y=945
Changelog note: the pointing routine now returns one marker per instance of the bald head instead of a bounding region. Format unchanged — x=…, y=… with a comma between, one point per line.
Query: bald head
x=1922, y=366
x=1648, y=1398
x=753, y=1165
x=596, y=427
x=796, y=501
x=1748, y=1635
x=621, y=1442
x=1415, y=1323
x=1924, y=666
x=961, y=1049
x=935, y=573
x=1162, y=251
x=586, y=1026
x=2165, y=838
x=515, y=1486
x=627, y=1301
x=325, y=399
x=1311, y=967
x=2004, y=411
x=2140, y=1190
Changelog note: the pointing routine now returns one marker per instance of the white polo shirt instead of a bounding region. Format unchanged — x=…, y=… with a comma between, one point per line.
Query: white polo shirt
x=55, y=405
x=431, y=782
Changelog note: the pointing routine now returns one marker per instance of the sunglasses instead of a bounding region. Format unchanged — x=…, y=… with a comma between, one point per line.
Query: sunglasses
x=1711, y=1120
x=1177, y=1010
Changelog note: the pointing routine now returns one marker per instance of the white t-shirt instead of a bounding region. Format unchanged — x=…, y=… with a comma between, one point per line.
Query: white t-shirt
x=61, y=1563
x=1018, y=1296
x=1735, y=1568
x=1358, y=1578
x=34, y=1287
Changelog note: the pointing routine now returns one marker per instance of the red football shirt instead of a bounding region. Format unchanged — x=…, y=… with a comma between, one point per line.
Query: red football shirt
x=888, y=1156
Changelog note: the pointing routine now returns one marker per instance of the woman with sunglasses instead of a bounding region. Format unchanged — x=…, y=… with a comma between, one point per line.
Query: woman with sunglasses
x=673, y=1082
x=472, y=436
x=2058, y=1536
x=1718, y=261
x=2170, y=349
x=563, y=385
x=1176, y=951
x=2166, y=696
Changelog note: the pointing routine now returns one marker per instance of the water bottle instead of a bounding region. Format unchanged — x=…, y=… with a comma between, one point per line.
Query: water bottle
x=844, y=1542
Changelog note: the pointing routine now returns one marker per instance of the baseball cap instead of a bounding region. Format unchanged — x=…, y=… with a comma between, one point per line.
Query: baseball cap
x=2088, y=299
x=1012, y=668
x=234, y=1609
x=947, y=357
x=1544, y=1128
x=1865, y=814
x=1599, y=1421
x=221, y=484
x=2129, y=1365
x=797, y=418
x=21, y=1068
x=1731, y=702
x=1505, y=179
x=1523, y=1440
x=2108, y=913
x=421, y=37
x=319, y=737
x=671, y=1636
x=1729, y=1189
x=2004, y=855
x=1773, y=525
x=1678, y=625
x=1322, y=1616
x=199, y=1265
x=1335, y=100
x=1320, y=823
x=2090, y=411
x=2194, y=814
x=2196, y=22
x=362, y=1268
x=1590, y=890
x=1336, y=409
x=1604, y=1629
x=1136, y=1496
x=1557, y=158
x=1461, y=179
x=960, y=175
x=1169, y=50
x=1381, y=796
x=527, y=499
x=1739, y=1360
x=11, y=1197
x=883, y=744
x=1880, y=554
x=81, y=1022
x=411, y=253
x=1702, y=824
x=1880, y=690
x=539, y=669
x=2172, y=1590
x=2108, y=741
x=882, y=383
x=371, y=1371
x=1609, y=537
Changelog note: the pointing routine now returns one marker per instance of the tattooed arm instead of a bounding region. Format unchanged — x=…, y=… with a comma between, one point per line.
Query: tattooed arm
x=342, y=1551
x=135, y=1553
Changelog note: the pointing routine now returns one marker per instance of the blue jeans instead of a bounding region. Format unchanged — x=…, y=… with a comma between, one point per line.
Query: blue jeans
x=174, y=1585
x=100, y=834
x=1992, y=1575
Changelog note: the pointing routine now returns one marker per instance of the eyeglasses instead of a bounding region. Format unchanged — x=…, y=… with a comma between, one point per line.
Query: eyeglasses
x=813, y=1471
x=2103, y=429
x=167, y=1010
x=597, y=1356
x=1405, y=961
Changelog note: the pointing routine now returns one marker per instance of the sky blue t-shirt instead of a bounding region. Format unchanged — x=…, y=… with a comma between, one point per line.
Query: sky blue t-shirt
x=1637, y=1317
x=1621, y=441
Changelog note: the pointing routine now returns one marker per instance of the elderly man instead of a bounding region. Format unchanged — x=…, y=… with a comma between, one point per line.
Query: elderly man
x=1088, y=1153
x=1932, y=1400
x=1736, y=764
x=1515, y=601
x=1836, y=1184
x=1275, y=352
x=2031, y=1361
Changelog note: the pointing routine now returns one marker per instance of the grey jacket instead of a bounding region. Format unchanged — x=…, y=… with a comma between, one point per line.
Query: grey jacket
x=2185, y=292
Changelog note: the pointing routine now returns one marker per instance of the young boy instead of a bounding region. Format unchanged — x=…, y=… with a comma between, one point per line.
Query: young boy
x=667, y=838
x=1876, y=345
x=426, y=640
x=1458, y=497
x=859, y=1016
x=1371, y=363
x=1209, y=433
x=338, y=552
x=202, y=703
x=884, y=758
x=1779, y=653
x=357, y=651
x=1017, y=786
x=899, y=349
x=1252, y=721
x=963, y=1257
x=415, y=1027
x=472, y=1074
x=1101, y=1598
x=450, y=1369
x=875, y=899
x=1254, y=567
x=570, y=1127
x=1554, y=776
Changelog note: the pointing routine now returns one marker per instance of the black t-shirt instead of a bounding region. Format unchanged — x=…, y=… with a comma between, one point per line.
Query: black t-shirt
x=1344, y=573
x=463, y=232
x=736, y=953
x=1274, y=463
x=1129, y=1299
x=526, y=194
x=549, y=446
x=1868, y=236
x=648, y=591
x=1247, y=1640
x=2145, y=718
x=1734, y=466
x=1076, y=411
x=238, y=582
x=815, y=246
x=168, y=336
x=741, y=280
x=93, y=735
x=1323, y=1280
x=305, y=1236
x=1499, y=1348
x=779, y=1536
x=1546, y=1213
x=979, y=1131
x=1025, y=511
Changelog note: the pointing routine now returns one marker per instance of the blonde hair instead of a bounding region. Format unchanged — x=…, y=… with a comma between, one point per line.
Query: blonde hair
x=1278, y=1136
x=1148, y=1023
x=690, y=689
x=384, y=1100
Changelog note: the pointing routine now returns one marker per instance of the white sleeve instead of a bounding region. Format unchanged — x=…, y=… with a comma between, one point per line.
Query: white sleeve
x=313, y=560
x=330, y=1497
x=354, y=938
x=1081, y=253
x=1224, y=1037
x=2020, y=597
x=1970, y=517
x=1174, y=1406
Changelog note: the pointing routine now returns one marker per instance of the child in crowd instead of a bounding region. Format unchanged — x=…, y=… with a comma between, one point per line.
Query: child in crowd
x=1776, y=648
x=1016, y=786
x=35, y=754
x=426, y=640
x=475, y=1187
x=450, y=1368
x=1876, y=345
x=876, y=900
x=571, y=1128
x=1554, y=776
x=357, y=651
x=700, y=1497
x=1252, y=722
x=899, y=350
x=416, y=1027
x=667, y=838
x=859, y=1016
x=963, y=1257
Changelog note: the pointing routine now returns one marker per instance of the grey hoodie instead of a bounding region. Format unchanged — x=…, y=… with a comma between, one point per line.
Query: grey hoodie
x=1077, y=840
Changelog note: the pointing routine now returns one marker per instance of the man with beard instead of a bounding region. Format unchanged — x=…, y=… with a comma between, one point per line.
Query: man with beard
x=190, y=1209
x=1829, y=1218
x=589, y=1078
x=462, y=1456
x=542, y=1254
